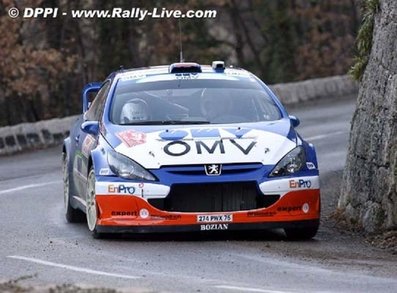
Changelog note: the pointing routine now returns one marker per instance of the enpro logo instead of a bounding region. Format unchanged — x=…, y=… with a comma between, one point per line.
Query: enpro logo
x=300, y=183
x=121, y=189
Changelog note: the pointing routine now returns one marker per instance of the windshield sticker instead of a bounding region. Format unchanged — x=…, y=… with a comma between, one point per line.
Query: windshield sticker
x=235, y=72
x=133, y=76
x=132, y=138
x=186, y=75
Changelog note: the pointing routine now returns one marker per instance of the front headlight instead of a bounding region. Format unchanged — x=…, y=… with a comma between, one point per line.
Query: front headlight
x=290, y=163
x=127, y=168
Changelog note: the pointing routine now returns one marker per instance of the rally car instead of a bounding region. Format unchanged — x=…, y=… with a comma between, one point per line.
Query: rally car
x=188, y=147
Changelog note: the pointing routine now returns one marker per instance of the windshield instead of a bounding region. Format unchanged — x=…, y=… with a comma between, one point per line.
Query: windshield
x=193, y=101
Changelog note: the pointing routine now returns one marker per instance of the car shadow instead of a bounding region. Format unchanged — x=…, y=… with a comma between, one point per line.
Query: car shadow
x=272, y=235
x=255, y=235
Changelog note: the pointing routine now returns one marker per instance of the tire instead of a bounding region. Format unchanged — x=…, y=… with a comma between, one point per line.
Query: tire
x=72, y=215
x=91, y=206
x=301, y=233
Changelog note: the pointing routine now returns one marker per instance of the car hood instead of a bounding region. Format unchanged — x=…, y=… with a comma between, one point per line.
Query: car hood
x=154, y=147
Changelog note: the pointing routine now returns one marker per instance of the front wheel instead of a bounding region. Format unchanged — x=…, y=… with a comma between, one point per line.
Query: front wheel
x=301, y=233
x=91, y=206
x=72, y=215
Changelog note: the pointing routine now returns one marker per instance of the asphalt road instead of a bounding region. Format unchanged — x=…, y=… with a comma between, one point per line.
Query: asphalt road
x=38, y=245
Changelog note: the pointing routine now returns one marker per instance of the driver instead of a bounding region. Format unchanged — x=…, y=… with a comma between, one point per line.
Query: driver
x=134, y=110
x=214, y=103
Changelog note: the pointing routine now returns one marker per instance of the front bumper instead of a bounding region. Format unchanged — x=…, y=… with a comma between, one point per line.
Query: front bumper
x=132, y=213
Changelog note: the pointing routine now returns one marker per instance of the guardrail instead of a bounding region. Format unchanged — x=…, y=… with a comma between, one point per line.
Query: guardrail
x=52, y=132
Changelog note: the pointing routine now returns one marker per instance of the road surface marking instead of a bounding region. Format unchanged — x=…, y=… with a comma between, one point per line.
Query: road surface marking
x=28, y=186
x=247, y=289
x=321, y=136
x=71, y=268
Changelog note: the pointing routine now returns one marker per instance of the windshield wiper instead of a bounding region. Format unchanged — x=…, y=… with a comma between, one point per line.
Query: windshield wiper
x=168, y=122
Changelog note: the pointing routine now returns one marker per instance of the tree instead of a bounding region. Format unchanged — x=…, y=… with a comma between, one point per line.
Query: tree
x=30, y=71
x=368, y=197
x=44, y=62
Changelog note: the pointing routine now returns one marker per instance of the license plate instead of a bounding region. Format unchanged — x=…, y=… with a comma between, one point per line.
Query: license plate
x=214, y=218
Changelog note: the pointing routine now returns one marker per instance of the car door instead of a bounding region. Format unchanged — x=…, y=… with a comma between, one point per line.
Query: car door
x=86, y=142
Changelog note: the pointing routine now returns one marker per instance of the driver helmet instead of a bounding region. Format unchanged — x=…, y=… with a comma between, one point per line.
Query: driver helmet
x=134, y=110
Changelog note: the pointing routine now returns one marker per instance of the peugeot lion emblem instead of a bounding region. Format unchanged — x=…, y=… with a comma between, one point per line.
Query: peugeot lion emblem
x=213, y=169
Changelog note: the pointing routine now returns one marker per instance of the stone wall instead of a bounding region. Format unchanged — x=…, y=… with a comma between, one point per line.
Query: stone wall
x=369, y=191
x=52, y=132
x=315, y=89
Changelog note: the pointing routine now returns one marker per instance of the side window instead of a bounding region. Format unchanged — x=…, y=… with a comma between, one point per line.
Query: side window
x=96, y=108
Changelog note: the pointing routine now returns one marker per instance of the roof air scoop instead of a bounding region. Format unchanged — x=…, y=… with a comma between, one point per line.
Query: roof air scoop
x=218, y=66
x=184, y=67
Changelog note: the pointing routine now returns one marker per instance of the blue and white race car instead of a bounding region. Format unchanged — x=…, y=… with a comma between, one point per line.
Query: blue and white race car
x=188, y=147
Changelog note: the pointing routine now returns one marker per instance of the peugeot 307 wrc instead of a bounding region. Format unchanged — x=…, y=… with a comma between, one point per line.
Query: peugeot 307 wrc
x=188, y=147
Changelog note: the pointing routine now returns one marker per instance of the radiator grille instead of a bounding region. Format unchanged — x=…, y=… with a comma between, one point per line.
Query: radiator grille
x=214, y=197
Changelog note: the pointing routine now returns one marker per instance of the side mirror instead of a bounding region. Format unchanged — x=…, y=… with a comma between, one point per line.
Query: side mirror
x=294, y=121
x=90, y=127
x=91, y=87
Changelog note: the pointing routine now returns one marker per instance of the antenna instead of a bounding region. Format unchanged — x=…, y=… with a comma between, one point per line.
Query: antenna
x=180, y=42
